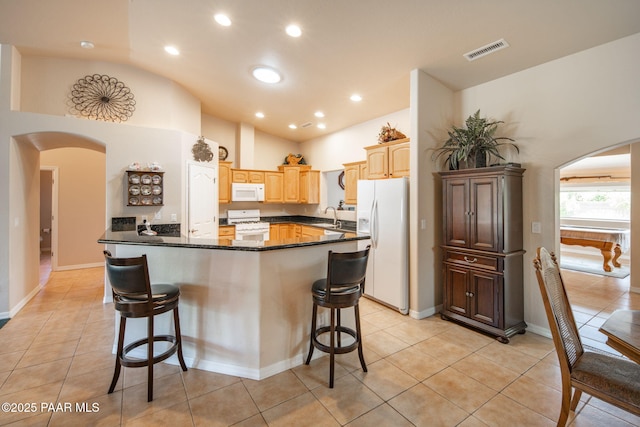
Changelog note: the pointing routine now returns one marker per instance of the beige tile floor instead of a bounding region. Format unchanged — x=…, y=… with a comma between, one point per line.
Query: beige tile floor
x=426, y=372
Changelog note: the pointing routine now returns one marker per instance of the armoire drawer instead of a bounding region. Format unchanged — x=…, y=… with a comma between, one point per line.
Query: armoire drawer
x=473, y=260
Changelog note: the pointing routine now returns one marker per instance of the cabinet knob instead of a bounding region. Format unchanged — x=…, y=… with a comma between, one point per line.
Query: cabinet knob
x=469, y=294
x=471, y=261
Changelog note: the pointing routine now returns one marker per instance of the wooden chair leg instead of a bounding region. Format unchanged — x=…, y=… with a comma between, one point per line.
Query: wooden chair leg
x=176, y=322
x=313, y=331
x=332, y=346
x=565, y=406
x=150, y=359
x=116, y=371
x=576, y=399
x=359, y=338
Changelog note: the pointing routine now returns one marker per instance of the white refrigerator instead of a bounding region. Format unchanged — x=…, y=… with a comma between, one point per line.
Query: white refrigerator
x=382, y=212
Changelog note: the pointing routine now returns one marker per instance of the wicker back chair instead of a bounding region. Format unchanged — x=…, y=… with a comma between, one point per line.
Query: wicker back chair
x=609, y=378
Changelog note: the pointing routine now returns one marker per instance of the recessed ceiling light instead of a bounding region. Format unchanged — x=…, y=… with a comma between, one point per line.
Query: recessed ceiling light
x=172, y=50
x=260, y=115
x=356, y=98
x=292, y=126
x=266, y=74
x=293, y=30
x=86, y=44
x=222, y=19
x=319, y=114
x=322, y=126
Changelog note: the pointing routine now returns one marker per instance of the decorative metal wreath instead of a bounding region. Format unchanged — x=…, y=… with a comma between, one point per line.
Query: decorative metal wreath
x=101, y=97
x=201, y=151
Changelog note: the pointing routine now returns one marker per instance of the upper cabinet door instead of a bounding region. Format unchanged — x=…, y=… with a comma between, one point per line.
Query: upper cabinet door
x=483, y=208
x=399, y=156
x=377, y=163
x=456, y=212
x=483, y=217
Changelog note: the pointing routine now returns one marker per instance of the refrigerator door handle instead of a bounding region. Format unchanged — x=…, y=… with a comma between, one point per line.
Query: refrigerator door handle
x=374, y=223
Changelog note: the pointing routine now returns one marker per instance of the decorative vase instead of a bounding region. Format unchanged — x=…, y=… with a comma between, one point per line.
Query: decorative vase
x=481, y=159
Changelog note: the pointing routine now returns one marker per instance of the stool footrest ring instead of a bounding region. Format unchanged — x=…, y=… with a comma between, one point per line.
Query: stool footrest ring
x=131, y=362
x=336, y=349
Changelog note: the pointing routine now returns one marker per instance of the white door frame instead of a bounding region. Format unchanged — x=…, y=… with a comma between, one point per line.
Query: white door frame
x=54, y=215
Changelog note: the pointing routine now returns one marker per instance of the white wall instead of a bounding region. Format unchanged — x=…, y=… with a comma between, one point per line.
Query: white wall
x=47, y=82
x=270, y=151
x=431, y=114
x=22, y=134
x=329, y=152
x=221, y=131
x=24, y=220
x=81, y=205
x=558, y=112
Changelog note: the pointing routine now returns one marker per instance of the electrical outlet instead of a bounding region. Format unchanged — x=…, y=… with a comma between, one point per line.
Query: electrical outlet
x=158, y=215
x=144, y=218
x=174, y=217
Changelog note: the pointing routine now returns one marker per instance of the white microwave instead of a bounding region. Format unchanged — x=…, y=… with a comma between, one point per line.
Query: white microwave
x=243, y=192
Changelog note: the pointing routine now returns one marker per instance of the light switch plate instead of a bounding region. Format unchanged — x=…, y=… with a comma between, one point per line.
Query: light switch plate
x=536, y=227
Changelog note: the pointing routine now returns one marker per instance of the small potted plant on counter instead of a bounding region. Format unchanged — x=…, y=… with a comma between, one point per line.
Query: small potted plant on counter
x=469, y=146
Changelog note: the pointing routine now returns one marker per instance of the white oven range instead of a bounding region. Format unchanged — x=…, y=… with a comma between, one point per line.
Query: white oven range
x=248, y=224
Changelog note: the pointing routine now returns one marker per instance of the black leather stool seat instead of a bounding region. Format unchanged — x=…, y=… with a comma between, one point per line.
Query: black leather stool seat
x=129, y=278
x=347, y=293
x=159, y=293
x=342, y=288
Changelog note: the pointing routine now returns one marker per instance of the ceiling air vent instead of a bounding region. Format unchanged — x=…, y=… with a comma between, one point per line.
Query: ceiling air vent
x=305, y=125
x=486, y=50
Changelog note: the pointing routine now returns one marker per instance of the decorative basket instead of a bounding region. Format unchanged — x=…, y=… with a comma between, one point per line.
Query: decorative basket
x=388, y=133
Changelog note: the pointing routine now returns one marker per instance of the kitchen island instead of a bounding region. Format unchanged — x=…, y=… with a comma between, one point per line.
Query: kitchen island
x=245, y=308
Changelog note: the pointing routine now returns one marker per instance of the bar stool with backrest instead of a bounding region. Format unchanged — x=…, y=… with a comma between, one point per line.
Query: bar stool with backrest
x=135, y=297
x=342, y=288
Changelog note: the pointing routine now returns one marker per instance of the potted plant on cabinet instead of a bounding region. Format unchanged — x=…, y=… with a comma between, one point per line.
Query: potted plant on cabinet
x=469, y=146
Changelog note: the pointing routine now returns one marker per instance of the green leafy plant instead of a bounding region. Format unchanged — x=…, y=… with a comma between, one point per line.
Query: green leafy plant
x=471, y=144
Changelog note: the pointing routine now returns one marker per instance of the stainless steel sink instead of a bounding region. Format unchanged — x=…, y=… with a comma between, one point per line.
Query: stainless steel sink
x=325, y=225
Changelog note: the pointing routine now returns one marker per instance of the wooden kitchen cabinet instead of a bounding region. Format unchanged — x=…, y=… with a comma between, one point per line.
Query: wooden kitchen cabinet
x=310, y=187
x=483, y=249
x=274, y=232
x=273, y=187
x=352, y=173
x=227, y=232
x=247, y=176
x=291, y=183
x=388, y=160
x=301, y=184
x=308, y=231
x=224, y=182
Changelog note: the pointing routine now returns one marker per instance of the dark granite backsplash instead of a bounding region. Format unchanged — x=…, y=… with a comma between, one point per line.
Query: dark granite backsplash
x=171, y=230
x=123, y=223
x=301, y=219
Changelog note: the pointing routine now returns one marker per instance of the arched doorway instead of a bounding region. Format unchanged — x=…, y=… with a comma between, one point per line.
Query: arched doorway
x=79, y=214
x=595, y=200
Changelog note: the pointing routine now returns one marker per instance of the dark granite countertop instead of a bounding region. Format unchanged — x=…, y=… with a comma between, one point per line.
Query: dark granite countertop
x=132, y=238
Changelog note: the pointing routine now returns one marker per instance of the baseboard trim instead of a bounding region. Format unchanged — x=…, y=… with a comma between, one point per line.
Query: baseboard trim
x=13, y=311
x=539, y=330
x=79, y=266
x=425, y=313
